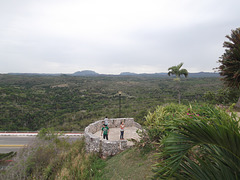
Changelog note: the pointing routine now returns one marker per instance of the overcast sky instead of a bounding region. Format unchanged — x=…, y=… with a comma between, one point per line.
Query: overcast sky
x=110, y=36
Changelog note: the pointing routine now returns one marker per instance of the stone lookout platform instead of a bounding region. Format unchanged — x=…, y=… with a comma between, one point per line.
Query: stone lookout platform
x=112, y=146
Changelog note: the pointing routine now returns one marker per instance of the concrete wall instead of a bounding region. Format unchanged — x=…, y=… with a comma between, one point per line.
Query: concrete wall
x=102, y=146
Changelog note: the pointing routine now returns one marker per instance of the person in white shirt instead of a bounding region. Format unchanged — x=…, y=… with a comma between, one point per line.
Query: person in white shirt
x=106, y=121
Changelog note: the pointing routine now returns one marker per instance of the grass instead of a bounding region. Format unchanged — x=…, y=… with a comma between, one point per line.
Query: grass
x=130, y=164
x=54, y=159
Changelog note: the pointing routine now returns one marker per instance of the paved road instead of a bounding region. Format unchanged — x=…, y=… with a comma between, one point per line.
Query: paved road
x=14, y=143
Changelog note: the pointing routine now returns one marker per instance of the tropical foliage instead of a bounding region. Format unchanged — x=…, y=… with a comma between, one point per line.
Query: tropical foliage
x=198, y=142
x=222, y=96
x=230, y=61
x=177, y=71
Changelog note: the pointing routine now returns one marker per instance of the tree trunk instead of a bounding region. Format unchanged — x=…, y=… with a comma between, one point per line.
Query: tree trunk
x=179, y=93
x=179, y=97
x=238, y=103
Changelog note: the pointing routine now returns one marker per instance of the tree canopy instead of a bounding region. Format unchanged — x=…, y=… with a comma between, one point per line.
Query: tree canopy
x=176, y=70
x=230, y=60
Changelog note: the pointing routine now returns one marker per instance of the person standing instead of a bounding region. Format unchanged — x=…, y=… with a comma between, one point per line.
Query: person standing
x=106, y=121
x=105, y=131
x=121, y=130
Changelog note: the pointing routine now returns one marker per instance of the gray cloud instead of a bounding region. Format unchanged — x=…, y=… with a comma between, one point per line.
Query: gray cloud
x=112, y=37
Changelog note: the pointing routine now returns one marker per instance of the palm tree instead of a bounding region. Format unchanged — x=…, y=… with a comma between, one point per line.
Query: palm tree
x=201, y=146
x=177, y=71
x=230, y=61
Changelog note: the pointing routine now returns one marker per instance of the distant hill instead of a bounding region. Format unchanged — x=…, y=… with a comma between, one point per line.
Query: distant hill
x=85, y=73
x=127, y=74
x=200, y=74
x=204, y=74
x=93, y=73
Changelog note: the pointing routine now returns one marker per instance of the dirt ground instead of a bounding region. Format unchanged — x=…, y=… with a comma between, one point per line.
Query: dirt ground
x=114, y=134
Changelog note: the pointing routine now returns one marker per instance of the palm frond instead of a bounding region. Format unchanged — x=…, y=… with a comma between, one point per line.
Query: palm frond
x=184, y=72
x=206, y=147
x=176, y=70
x=230, y=60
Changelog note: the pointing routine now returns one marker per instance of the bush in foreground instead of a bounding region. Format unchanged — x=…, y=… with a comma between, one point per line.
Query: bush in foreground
x=55, y=158
x=197, y=142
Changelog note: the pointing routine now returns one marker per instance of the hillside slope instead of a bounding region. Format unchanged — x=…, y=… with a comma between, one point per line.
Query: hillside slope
x=130, y=164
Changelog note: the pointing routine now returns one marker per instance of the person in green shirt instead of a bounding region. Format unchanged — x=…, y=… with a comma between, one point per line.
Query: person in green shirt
x=105, y=131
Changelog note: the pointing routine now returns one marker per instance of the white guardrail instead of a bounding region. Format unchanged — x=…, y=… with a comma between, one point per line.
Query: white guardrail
x=32, y=133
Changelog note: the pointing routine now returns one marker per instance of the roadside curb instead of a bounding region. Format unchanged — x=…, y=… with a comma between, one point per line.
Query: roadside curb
x=36, y=133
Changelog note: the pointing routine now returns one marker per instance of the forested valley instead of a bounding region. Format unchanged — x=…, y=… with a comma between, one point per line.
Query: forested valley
x=67, y=103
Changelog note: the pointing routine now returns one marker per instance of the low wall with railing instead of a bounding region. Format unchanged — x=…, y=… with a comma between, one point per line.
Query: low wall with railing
x=102, y=146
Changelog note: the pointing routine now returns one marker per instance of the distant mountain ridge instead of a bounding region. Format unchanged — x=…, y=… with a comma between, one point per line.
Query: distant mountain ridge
x=85, y=73
x=127, y=74
x=93, y=73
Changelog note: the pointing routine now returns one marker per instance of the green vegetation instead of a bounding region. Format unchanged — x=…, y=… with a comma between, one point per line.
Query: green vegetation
x=5, y=159
x=130, y=164
x=196, y=142
x=55, y=158
x=52, y=157
x=188, y=141
x=71, y=103
x=177, y=71
x=6, y=156
x=230, y=61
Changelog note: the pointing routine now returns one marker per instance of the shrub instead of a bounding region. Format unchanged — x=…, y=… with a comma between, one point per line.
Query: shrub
x=57, y=158
x=158, y=122
x=198, y=142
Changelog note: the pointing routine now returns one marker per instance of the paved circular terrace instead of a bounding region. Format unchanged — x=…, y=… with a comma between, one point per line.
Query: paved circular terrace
x=114, y=134
x=95, y=142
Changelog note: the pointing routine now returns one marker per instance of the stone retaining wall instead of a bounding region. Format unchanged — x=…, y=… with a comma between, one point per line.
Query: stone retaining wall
x=102, y=146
